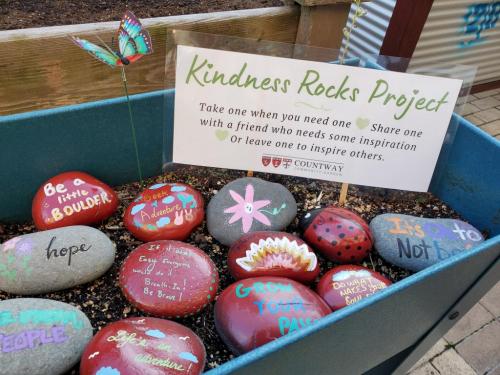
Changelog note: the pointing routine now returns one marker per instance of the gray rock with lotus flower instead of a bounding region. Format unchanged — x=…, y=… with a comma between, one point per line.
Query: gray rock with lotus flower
x=249, y=205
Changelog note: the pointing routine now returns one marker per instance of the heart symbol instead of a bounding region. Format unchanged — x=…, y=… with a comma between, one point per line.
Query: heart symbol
x=137, y=208
x=221, y=134
x=362, y=123
x=168, y=199
x=163, y=221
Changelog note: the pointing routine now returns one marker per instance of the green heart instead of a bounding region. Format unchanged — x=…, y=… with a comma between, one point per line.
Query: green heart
x=221, y=134
x=362, y=123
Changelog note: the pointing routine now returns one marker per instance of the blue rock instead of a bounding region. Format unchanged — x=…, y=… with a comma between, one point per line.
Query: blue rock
x=416, y=243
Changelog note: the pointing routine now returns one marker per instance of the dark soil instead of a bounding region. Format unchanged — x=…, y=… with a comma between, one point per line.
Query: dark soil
x=104, y=303
x=21, y=14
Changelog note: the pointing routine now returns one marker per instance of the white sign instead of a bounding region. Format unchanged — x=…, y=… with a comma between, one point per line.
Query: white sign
x=310, y=119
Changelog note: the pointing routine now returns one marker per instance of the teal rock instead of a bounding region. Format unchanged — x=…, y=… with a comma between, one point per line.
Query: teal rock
x=41, y=336
x=53, y=260
x=415, y=243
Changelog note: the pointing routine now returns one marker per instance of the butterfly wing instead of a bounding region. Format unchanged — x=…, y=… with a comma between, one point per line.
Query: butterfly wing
x=133, y=40
x=98, y=52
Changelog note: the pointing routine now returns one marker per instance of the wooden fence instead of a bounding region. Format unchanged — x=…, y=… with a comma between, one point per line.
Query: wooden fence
x=41, y=68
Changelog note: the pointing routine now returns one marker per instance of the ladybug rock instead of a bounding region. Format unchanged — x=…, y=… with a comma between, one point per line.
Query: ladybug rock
x=339, y=234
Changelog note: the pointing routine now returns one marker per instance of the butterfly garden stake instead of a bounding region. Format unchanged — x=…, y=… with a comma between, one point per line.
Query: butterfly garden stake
x=133, y=43
x=358, y=13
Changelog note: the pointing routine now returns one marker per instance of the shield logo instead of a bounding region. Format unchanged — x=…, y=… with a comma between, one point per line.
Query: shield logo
x=266, y=160
x=276, y=162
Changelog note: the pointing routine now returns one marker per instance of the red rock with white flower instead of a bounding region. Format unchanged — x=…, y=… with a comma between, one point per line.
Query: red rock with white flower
x=272, y=254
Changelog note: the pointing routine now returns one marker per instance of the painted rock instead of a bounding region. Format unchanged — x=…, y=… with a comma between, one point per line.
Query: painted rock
x=339, y=234
x=165, y=212
x=345, y=285
x=143, y=346
x=415, y=243
x=41, y=336
x=53, y=260
x=249, y=205
x=72, y=198
x=169, y=278
x=272, y=254
x=255, y=311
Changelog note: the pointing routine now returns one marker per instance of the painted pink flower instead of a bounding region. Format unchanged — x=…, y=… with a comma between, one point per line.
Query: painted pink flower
x=246, y=209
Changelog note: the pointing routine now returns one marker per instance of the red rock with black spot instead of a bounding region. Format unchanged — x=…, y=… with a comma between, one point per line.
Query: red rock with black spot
x=252, y=312
x=144, y=346
x=169, y=279
x=339, y=234
x=165, y=211
x=345, y=285
x=72, y=198
x=272, y=254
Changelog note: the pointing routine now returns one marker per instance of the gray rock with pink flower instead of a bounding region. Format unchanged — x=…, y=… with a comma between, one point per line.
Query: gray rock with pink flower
x=53, y=260
x=249, y=205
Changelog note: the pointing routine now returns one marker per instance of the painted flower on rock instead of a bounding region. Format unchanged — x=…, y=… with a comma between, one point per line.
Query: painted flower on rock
x=278, y=253
x=247, y=209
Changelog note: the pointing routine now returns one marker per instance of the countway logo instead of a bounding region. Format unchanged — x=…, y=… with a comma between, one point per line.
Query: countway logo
x=301, y=164
x=276, y=161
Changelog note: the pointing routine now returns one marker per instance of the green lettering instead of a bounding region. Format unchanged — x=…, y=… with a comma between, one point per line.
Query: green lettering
x=306, y=82
x=193, y=70
x=375, y=93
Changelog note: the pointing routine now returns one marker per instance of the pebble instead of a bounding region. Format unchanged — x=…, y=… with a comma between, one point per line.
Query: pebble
x=339, y=234
x=53, y=260
x=415, y=243
x=347, y=284
x=144, y=346
x=272, y=254
x=252, y=312
x=169, y=278
x=72, y=198
x=165, y=211
x=248, y=205
x=41, y=336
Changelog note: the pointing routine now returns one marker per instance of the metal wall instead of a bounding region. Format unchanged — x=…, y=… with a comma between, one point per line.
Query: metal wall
x=369, y=34
x=461, y=32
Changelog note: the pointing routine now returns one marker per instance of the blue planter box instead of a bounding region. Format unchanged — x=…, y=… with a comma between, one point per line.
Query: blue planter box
x=384, y=333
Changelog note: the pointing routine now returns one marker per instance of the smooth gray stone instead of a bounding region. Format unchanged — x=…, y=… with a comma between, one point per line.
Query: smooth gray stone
x=53, y=260
x=416, y=243
x=41, y=336
x=279, y=207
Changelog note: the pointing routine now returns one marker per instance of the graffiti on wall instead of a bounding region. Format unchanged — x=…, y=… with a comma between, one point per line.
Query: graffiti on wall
x=478, y=18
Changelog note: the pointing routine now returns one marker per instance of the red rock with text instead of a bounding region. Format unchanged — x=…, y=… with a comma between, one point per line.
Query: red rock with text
x=272, y=254
x=72, y=198
x=169, y=278
x=165, y=211
x=345, y=285
x=252, y=312
x=140, y=346
x=339, y=234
